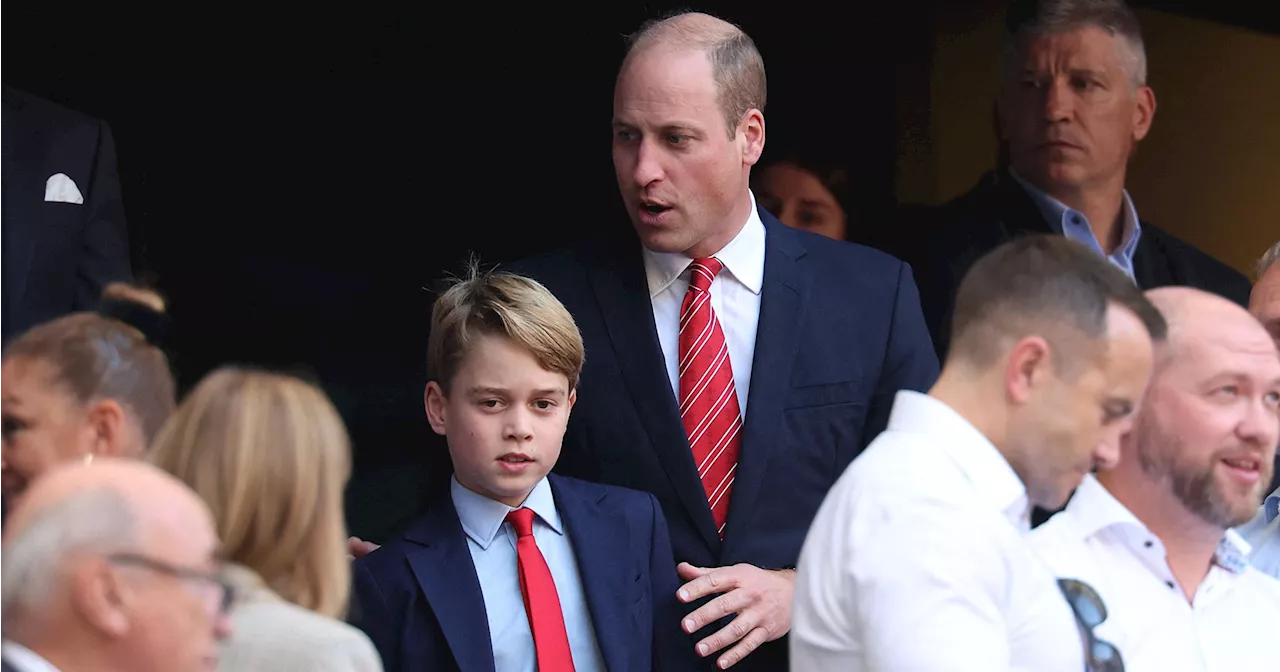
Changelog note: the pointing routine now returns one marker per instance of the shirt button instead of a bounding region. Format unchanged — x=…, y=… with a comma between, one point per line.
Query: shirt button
x=1148, y=543
x=1075, y=220
x=1170, y=584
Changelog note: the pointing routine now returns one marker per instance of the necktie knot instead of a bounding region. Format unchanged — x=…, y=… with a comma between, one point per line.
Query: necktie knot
x=522, y=521
x=702, y=272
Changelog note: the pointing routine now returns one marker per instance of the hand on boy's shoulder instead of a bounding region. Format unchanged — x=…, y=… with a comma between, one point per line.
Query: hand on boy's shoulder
x=358, y=548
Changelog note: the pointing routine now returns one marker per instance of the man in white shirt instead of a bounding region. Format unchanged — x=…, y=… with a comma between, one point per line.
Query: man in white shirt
x=917, y=559
x=111, y=567
x=1152, y=534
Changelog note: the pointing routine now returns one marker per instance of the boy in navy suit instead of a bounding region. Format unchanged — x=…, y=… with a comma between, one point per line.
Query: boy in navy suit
x=516, y=569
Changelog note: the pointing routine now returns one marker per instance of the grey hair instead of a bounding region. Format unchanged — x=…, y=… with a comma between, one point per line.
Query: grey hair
x=1041, y=18
x=99, y=521
x=1269, y=259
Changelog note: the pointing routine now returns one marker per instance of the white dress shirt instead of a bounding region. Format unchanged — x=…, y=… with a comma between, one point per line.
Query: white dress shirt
x=492, y=543
x=735, y=298
x=917, y=561
x=25, y=660
x=1232, y=624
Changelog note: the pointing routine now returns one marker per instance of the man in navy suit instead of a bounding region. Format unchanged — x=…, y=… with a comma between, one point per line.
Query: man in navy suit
x=810, y=339
x=65, y=236
x=515, y=570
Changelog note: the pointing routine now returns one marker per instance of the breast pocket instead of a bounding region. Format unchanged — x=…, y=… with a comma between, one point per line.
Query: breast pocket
x=824, y=429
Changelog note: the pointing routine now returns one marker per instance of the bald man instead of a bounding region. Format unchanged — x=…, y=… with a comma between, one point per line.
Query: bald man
x=1152, y=535
x=112, y=567
x=739, y=424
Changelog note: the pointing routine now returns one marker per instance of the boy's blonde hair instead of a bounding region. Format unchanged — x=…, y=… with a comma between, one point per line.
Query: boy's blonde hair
x=498, y=303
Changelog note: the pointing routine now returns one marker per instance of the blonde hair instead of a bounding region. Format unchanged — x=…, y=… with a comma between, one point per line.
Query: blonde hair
x=270, y=455
x=93, y=357
x=498, y=303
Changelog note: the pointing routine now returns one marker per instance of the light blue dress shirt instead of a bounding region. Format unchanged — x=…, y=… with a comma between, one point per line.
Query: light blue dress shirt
x=1073, y=224
x=492, y=543
x=1263, y=534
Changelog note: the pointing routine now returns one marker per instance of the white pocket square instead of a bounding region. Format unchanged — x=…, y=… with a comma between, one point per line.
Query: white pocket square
x=61, y=189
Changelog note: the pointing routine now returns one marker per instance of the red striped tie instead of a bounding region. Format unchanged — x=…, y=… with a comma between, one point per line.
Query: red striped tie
x=708, y=397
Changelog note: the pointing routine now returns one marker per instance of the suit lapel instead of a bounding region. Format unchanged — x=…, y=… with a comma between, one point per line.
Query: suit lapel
x=23, y=199
x=454, y=594
x=599, y=539
x=623, y=294
x=783, y=299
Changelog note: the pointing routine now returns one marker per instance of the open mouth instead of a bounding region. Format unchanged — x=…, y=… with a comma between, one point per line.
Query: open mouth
x=515, y=458
x=654, y=208
x=1247, y=469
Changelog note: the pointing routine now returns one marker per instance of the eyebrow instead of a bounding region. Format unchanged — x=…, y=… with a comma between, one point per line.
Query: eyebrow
x=481, y=390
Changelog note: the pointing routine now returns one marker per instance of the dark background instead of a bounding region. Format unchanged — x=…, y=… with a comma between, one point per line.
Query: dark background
x=297, y=179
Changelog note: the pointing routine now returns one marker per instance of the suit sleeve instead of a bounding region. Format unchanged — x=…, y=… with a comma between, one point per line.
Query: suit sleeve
x=371, y=613
x=910, y=361
x=105, y=255
x=673, y=649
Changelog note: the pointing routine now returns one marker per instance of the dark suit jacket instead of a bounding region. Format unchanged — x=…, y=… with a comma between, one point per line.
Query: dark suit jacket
x=840, y=332
x=998, y=209
x=58, y=257
x=419, y=600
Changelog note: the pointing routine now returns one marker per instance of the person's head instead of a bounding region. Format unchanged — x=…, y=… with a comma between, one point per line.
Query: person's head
x=688, y=124
x=270, y=455
x=114, y=563
x=805, y=191
x=1208, y=428
x=503, y=361
x=1264, y=300
x=1059, y=342
x=1074, y=101
x=80, y=386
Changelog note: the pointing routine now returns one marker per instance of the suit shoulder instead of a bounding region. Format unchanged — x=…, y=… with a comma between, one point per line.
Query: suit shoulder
x=387, y=559
x=845, y=258
x=1216, y=275
x=274, y=629
x=48, y=113
x=617, y=496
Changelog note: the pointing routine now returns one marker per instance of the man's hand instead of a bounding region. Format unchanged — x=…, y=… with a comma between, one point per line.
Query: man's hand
x=761, y=599
x=359, y=548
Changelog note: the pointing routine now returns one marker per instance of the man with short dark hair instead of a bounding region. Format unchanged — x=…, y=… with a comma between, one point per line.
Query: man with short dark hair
x=734, y=365
x=1263, y=532
x=917, y=559
x=1073, y=107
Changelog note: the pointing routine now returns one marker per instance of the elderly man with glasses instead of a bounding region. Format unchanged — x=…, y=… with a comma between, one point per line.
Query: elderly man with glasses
x=112, y=566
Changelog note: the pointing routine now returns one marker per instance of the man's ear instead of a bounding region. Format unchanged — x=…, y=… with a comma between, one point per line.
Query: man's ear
x=1027, y=368
x=101, y=597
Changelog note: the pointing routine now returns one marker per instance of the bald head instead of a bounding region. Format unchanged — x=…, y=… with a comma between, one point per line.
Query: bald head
x=736, y=64
x=1197, y=318
x=156, y=500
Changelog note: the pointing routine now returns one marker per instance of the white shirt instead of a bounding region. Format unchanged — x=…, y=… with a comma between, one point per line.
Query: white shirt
x=1232, y=625
x=735, y=298
x=24, y=659
x=917, y=561
x=492, y=543
x=1263, y=534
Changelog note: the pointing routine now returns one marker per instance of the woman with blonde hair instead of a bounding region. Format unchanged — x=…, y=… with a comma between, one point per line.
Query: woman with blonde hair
x=271, y=457
x=83, y=385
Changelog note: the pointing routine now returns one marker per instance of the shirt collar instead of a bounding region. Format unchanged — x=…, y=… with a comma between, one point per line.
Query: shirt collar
x=982, y=463
x=1057, y=213
x=743, y=258
x=482, y=517
x=25, y=659
x=1095, y=509
x=1271, y=506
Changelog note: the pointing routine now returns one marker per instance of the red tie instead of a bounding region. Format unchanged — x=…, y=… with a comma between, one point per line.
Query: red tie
x=541, y=603
x=708, y=397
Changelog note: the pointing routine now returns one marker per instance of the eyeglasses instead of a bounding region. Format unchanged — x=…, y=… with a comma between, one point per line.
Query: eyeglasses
x=226, y=591
x=1090, y=612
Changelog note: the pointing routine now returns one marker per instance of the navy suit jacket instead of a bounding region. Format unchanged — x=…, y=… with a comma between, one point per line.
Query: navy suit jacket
x=58, y=257
x=419, y=600
x=840, y=332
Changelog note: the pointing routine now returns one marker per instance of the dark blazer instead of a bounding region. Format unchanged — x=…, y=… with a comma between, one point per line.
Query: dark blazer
x=58, y=256
x=840, y=332
x=998, y=209
x=419, y=600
